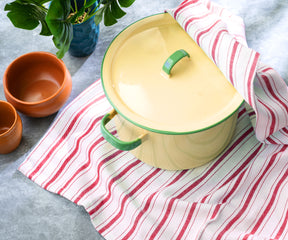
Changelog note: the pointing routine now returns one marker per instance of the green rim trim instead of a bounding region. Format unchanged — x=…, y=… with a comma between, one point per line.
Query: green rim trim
x=145, y=127
x=117, y=143
x=173, y=59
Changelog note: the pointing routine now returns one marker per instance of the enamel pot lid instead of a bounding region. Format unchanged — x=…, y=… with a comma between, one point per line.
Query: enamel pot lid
x=158, y=78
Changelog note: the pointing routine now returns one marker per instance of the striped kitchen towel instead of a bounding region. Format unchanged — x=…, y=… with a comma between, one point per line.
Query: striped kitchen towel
x=222, y=36
x=242, y=194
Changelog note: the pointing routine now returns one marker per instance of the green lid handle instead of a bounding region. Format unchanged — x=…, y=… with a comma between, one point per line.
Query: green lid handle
x=117, y=143
x=173, y=59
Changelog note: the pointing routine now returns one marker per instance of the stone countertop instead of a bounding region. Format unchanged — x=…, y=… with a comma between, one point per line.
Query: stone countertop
x=29, y=212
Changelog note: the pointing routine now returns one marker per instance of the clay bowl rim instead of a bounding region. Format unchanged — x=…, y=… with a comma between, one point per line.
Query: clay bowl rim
x=15, y=118
x=5, y=81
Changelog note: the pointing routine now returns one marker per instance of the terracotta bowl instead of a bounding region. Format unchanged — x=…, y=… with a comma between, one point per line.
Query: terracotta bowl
x=37, y=84
x=10, y=128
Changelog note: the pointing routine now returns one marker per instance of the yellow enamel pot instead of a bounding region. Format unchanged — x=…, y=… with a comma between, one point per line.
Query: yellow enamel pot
x=173, y=108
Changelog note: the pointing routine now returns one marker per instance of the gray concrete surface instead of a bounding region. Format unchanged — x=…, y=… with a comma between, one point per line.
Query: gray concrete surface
x=29, y=212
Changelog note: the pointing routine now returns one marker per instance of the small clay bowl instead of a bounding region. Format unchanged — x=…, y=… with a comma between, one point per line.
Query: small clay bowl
x=37, y=84
x=10, y=128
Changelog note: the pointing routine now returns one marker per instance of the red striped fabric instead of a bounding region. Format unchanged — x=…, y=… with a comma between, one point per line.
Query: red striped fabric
x=242, y=194
x=240, y=65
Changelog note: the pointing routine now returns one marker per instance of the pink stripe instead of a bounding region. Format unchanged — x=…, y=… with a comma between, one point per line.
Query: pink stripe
x=223, y=156
x=90, y=187
x=88, y=181
x=74, y=144
x=201, y=179
x=235, y=187
x=283, y=226
x=63, y=137
x=236, y=184
x=216, y=42
x=250, y=196
x=234, y=50
x=272, y=92
x=112, y=181
x=205, y=31
x=137, y=220
x=283, y=133
x=271, y=202
x=285, y=130
x=75, y=150
x=126, y=197
x=251, y=114
x=235, y=174
x=209, y=5
x=216, y=210
x=147, y=205
x=251, y=78
x=182, y=6
x=60, y=117
x=272, y=120
x=267, y=69
x=188, y=219
x=85, y=181
x=184, y=2
x=270, y=140
x=194, y=19
x=241, y=112
x=84, y=166
x=130, y=201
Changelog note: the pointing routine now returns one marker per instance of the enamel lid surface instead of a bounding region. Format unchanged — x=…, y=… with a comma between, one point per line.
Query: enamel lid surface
x=194, y=97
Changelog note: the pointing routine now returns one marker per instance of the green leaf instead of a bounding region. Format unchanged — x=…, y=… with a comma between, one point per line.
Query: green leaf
x=38, y=1
x=104, y=1
x=109, y=19
x=27, y=15
x=126, y=3
x=45, y=31
x=99, y=15
x=63, y=44
x=59, y=25
x=116, y=10
x=58, y=10
x=20, y=16
x=89, y=3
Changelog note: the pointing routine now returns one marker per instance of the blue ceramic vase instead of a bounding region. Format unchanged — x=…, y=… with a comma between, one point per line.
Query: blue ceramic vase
x=85, y=36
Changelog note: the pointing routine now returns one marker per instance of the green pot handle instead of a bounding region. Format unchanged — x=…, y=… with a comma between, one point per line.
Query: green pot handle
x=173, y=59
x=117, y=143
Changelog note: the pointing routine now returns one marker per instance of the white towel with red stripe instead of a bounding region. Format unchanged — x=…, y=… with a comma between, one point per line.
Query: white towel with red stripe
x=242, y=194
x=222, y=36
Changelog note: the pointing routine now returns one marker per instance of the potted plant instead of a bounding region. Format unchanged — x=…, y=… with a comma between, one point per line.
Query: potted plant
x=59, y=17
